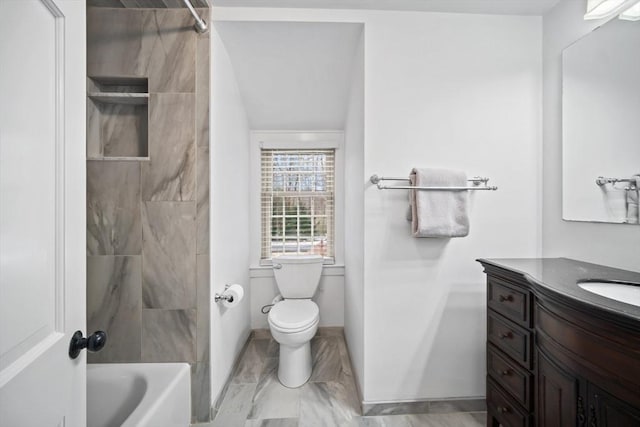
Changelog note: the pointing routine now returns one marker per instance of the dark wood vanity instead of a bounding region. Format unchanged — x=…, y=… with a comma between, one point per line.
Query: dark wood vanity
x=558, y=355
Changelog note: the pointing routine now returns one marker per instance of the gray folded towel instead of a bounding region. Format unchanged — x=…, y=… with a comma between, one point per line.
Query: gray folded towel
x=438, y=213
x=633, y=213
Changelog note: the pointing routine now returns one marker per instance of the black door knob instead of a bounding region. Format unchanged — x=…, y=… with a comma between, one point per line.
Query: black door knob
x=94, y=342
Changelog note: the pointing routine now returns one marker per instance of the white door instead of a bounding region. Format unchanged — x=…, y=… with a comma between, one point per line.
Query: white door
x=42, y=212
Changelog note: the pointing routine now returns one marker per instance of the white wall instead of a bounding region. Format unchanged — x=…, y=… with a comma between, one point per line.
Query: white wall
x=354, y=214
x=441, y=90
x=610, y=244
x=452, y=91
x=230, y=328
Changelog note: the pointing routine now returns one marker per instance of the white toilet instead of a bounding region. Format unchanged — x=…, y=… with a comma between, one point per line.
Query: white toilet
x=294, y=321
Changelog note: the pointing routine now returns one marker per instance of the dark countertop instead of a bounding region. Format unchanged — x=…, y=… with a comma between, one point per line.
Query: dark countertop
x=559, y=276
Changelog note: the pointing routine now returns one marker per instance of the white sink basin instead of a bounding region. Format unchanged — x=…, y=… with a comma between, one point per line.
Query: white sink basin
x=624, y=292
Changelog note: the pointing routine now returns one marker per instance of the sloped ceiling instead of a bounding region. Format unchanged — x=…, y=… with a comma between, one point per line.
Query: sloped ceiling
x=292, y=76
x=497, y=7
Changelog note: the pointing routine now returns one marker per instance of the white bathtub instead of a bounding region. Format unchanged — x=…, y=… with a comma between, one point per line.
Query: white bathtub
x=138, y=395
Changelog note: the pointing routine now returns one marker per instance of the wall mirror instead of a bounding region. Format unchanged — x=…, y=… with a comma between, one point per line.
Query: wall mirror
x=601, y=124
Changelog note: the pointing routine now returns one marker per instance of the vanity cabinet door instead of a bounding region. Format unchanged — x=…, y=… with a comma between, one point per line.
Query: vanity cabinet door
x=608, y=411
x=558, y=403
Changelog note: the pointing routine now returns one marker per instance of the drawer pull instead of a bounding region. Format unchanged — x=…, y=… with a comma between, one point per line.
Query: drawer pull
x=505, y=373
x=503, y=409
x=503, y=298
x=507, y=335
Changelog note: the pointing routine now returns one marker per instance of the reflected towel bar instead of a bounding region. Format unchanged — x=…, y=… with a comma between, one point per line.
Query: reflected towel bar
x=601, y=180
x=477, y=180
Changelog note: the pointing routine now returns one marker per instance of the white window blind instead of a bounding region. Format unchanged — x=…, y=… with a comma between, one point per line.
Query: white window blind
x=297, y=202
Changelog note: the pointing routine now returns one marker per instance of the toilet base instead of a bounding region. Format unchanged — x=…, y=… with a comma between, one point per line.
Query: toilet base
x=294, y=366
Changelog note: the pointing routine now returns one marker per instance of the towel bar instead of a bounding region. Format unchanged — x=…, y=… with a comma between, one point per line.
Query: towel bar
x=477, y=180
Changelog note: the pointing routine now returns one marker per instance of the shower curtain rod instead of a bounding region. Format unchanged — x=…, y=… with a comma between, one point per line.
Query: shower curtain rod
x=201, y=25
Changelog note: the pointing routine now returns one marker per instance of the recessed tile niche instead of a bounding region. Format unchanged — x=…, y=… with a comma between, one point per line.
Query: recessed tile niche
x=117, y=118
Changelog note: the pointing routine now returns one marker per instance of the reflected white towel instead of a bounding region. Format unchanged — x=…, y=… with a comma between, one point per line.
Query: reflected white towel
x=438, y=213
x=633, y=213
x=615, y=201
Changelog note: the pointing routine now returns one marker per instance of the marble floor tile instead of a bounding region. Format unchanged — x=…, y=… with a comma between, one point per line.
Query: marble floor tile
x=418, y=420
x=261, y=334
x=114, y=305
x=272, y=399
x=273, y=422
x=113, y=208
x=479, y=417
x=169, y=256
x=379, y=421
x=316, y=403
x=168, y=335
x=170, y=174
x=327, y=404
x=327, y=363
x=330, y=331
x=443, y=420
x=251, y=365
x=273, y=349
x=344, y=357
x=268, y=348
x=235, y=406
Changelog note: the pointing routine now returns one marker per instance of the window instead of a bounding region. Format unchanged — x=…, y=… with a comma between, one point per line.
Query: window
x=297, y=202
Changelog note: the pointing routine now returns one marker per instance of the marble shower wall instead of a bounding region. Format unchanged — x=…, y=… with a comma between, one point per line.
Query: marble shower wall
x=148, y=221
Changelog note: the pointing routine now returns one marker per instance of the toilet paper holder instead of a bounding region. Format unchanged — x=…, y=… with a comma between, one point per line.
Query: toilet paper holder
x=222, y=297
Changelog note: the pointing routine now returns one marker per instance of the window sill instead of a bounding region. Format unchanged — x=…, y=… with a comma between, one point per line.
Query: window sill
x=267, y=271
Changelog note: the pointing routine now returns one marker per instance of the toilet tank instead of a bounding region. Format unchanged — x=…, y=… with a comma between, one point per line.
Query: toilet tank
x=297, y=276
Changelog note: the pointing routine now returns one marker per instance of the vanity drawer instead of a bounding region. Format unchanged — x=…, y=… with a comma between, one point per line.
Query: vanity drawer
x=510, y=300
x=512, y=339
x=510, y=376
x=504, y=409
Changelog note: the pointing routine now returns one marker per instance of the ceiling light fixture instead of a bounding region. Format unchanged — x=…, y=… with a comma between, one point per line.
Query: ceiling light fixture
x=631, y=14
x=598, y=9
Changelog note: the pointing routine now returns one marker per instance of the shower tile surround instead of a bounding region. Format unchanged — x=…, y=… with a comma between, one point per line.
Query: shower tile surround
x=147, y=220
x=254, y=396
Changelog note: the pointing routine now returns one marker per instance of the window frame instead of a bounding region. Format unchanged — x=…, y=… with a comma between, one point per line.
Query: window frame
x=294, y=140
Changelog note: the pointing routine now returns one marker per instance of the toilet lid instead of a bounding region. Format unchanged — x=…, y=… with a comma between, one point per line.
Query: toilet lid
x=294, y=314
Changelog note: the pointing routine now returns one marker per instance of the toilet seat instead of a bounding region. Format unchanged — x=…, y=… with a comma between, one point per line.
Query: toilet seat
x=294, y=315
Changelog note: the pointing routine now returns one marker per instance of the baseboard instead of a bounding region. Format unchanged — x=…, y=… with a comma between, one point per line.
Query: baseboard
x=428, y=406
